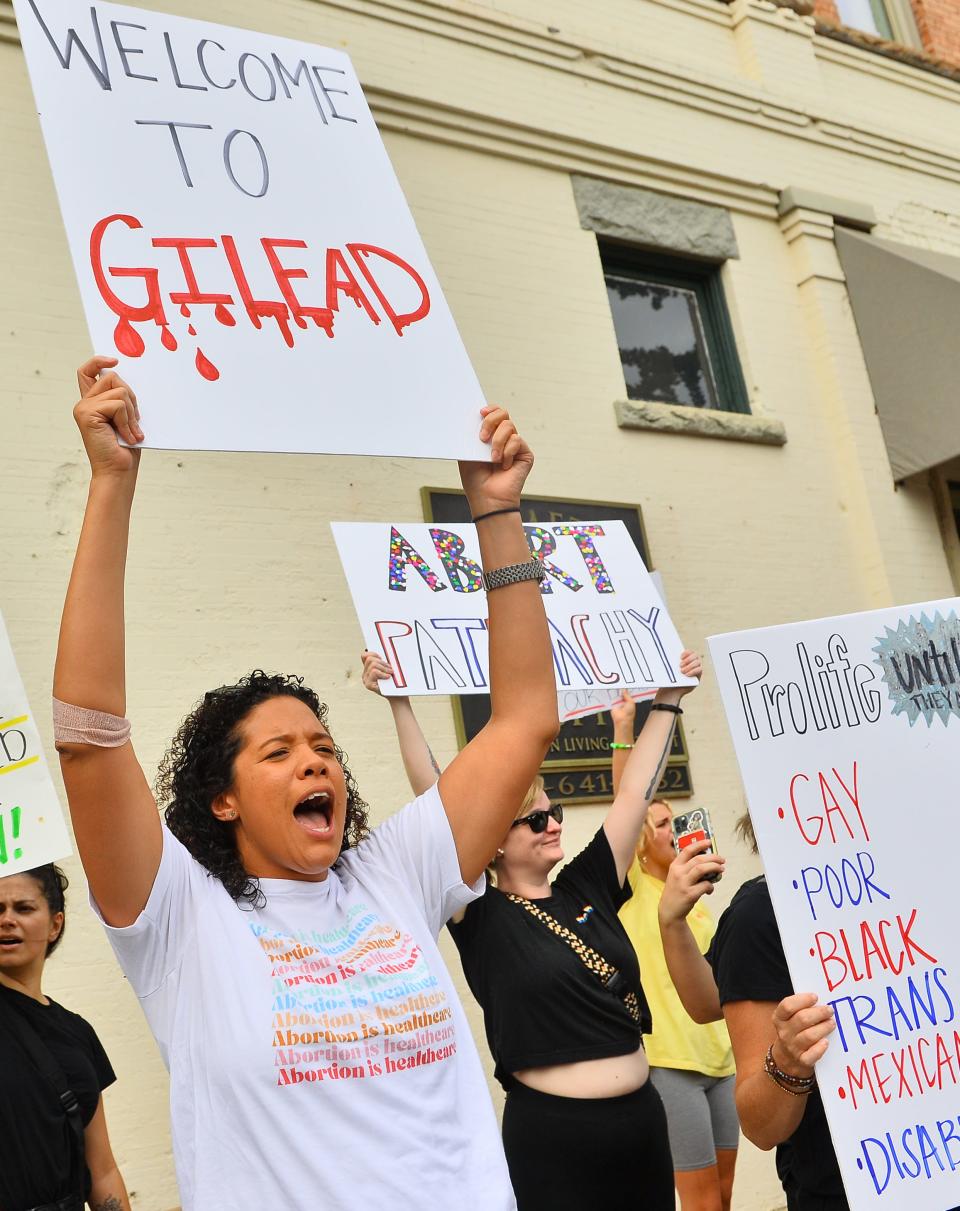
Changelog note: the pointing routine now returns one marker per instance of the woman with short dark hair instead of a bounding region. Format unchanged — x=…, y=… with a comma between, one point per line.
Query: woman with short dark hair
x=51, y=1158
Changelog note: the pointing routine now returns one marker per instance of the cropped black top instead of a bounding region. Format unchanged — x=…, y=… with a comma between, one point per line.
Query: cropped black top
x=541, y=1005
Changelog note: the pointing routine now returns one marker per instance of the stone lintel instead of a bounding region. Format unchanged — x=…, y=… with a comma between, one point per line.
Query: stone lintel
x=655, y=220
x=700, y=422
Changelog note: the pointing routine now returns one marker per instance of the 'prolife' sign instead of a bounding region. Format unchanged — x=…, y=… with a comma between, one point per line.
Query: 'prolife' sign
x=418, y=592
x=847, y=731
x=32, y=828
x=241, y=241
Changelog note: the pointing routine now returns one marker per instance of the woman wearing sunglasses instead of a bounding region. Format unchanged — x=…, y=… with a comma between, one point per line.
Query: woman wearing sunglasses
x=559, y=984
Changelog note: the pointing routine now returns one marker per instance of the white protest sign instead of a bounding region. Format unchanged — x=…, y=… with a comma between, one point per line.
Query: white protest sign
x=241, y=240
x=418, y=593
x=32, y=827
x=578, y=703
x=847, y=731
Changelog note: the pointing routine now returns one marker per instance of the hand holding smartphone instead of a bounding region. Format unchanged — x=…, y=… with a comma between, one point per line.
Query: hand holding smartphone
x=692, y=826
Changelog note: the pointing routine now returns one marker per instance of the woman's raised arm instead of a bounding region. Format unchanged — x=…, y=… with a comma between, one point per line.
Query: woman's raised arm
x=483, y=786
x=638, y=782
x=115, y=817
x=688, y=879
x=419, y=762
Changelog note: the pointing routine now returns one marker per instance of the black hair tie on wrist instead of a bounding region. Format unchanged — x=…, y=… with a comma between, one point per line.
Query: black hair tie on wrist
x=493, y=513
x=667, y=706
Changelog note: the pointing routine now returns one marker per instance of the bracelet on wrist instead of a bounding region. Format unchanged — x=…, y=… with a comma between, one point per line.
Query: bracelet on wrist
x=789, y=1088
x=513, y=573
x=617, y=744
x=667, y=706
x=494, y=513
x=797, y=1085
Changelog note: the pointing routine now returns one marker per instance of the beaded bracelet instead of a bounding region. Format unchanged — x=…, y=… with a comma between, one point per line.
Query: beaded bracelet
x=797, y=1085
x=786, y=1088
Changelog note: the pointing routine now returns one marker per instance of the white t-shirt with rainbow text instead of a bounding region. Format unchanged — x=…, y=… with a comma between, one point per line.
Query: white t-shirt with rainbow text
x=319, y=1056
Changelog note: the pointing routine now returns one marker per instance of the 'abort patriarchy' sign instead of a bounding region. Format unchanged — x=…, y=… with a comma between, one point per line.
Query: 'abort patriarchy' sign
x=418, y=591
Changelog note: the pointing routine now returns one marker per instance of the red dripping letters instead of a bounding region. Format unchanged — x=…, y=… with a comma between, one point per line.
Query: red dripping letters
x=363, y=273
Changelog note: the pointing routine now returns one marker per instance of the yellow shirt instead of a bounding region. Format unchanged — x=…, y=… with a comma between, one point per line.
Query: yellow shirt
x=677, y=1041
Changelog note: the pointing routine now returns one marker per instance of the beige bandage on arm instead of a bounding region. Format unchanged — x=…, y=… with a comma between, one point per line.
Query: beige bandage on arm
x=79, y=725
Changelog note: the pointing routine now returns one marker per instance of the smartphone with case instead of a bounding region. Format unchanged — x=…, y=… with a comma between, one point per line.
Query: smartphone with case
x=692, y=826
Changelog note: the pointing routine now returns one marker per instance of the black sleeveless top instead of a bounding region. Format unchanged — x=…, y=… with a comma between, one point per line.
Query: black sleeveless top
x=541, y=1005
x=35, y=1142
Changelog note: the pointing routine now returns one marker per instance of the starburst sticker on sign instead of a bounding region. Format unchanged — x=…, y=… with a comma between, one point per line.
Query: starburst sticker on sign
x=921, y=666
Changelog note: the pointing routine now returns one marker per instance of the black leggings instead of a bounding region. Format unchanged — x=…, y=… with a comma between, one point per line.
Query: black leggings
x=575, y=1154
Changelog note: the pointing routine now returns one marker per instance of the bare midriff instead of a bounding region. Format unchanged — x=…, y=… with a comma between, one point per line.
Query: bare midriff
x=613, y=1076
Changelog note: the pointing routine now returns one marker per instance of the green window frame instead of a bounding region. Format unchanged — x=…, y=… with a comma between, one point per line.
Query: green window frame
x=703, y=280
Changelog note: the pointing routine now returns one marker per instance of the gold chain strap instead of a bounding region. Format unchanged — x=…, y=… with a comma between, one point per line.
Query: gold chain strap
x=591, y=959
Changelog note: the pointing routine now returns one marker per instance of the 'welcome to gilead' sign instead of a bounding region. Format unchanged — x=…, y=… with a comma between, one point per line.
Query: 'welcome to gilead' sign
x=847, y=731
x=240, y=239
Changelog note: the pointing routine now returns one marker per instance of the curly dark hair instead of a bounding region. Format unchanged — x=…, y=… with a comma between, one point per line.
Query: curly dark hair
x=53, y=883
x=198, y=767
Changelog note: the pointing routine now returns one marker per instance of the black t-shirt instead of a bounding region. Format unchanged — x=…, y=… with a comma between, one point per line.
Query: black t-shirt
x=748, y=963
x=541, y=1005
x=35, y=1146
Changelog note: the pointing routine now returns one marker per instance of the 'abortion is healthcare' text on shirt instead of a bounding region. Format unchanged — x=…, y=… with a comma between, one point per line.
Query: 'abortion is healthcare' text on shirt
x=318, y=1053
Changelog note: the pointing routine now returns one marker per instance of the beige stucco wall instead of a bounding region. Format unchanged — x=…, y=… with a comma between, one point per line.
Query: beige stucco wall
x=486, y=109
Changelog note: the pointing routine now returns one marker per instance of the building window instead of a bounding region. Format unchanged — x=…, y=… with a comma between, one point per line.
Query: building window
x=889, y=19
x=673, y=330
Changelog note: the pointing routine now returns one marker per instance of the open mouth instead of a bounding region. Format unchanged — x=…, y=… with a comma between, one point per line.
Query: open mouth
x=314, y=814
x=9, y=943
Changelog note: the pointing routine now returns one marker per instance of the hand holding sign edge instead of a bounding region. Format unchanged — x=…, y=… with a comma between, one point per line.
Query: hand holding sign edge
x=107, y=408
x=498, y=483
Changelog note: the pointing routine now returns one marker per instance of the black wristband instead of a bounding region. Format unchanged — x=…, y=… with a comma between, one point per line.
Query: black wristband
x=493, y=513
x=667, y=706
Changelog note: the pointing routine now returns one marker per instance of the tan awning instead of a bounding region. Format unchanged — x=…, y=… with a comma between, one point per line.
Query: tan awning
x=906, y=302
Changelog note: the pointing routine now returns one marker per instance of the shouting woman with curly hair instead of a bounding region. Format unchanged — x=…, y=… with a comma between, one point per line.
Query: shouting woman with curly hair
x=285, y=957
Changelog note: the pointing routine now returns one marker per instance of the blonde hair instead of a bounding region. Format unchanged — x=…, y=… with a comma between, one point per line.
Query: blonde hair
x=646, y=835
x=534, y=791
x=744, y=830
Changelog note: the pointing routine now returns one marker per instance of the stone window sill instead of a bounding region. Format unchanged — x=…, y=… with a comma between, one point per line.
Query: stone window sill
x=700, y=422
